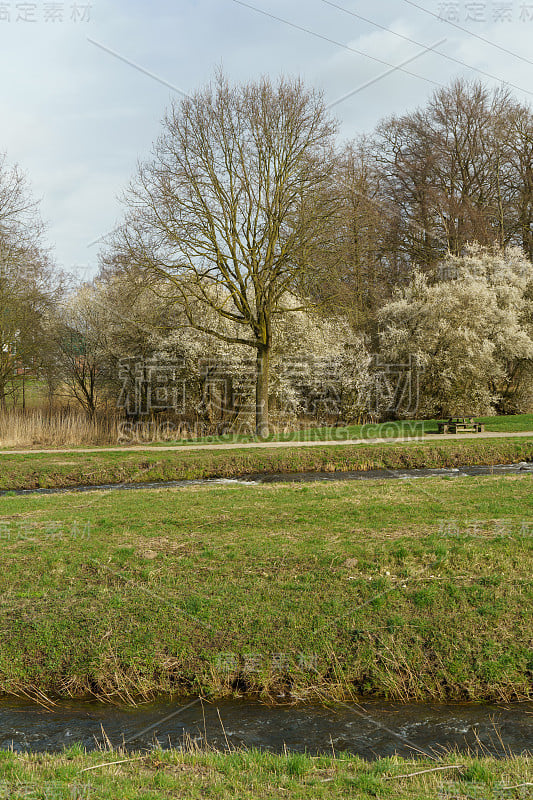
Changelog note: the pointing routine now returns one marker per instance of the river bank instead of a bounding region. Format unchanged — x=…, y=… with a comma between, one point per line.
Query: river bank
x=70, y=469
x=411, y=590
x=114, y=775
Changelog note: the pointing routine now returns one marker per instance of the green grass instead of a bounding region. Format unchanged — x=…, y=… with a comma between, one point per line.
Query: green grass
x=400, y=429
x=254, y=775
x=418, y=589
x=72, y=469
x=510, y=424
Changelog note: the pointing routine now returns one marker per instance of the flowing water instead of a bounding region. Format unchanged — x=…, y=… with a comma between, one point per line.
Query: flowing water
x=307, y=477
x=372, y=730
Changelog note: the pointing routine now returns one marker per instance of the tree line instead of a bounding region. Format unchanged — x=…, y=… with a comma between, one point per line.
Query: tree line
x=252, y=236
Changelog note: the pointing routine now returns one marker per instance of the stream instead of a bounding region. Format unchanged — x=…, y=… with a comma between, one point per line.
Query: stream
x=301, y=477
x=372, y=730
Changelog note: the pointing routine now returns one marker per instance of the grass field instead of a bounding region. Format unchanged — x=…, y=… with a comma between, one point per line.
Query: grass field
x=51, y=470
x=261, y=776
x=418, y=589
x=509, y=424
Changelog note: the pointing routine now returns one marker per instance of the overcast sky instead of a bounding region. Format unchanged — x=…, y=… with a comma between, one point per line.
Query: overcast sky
x=77, y=118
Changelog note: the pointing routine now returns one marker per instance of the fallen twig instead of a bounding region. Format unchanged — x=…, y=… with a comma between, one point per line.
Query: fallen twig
x=517, y=786
x=422, y=771
x=110, y=763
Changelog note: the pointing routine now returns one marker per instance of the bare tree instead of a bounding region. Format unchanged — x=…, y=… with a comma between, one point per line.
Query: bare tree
x=27, y=283
x=357, y=273
x=80, y=354
x=458, y=170
x=518, y=181
x=228, y=207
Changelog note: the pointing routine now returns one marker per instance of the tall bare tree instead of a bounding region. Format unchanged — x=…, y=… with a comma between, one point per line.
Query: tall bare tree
x=228, y=208
x=357, y=273
x=518, y=181
x=458, y=170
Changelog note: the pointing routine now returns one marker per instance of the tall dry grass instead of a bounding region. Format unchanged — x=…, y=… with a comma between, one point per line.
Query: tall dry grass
x=59, y=428
x=62, y=427
x=65, y=427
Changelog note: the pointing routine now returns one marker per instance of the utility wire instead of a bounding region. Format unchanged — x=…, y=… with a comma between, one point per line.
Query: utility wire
x=413, y=41
x=470, y=33
x=338, y=44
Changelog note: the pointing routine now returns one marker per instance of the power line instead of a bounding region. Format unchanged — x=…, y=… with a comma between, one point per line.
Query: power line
x=470, y=33
x=333, y=41
x=380, y=77
x=139, y=68
x=413, y=41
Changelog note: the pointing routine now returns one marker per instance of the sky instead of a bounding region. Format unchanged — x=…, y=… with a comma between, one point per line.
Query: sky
x=85, y=86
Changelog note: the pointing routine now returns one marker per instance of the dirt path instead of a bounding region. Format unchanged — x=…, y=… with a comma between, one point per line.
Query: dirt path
x=435, y=437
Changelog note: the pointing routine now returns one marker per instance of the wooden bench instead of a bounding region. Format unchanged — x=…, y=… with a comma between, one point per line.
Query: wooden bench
x=461, y=425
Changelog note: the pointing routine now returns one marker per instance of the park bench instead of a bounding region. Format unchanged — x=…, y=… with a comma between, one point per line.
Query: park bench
x=461, y=425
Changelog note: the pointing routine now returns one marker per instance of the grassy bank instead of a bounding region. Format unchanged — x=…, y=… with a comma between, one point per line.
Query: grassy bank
x=419, y=589
x=260, y=776
x=71, y=469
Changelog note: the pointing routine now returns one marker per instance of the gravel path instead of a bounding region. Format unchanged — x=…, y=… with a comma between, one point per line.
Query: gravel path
x=268, y=445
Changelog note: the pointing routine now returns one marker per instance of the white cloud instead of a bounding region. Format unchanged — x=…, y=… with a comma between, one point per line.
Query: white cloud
x=77, y=119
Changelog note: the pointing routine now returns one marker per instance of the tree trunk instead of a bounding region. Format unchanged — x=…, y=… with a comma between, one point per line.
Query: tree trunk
x=3, y=404
x=261, y=391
